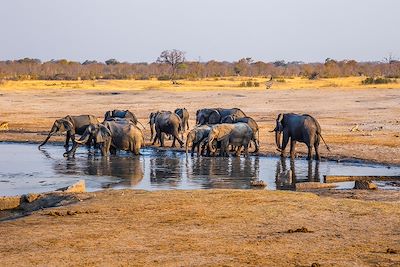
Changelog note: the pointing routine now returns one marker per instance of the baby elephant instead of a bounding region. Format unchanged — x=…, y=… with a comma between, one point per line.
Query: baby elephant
x=195, y=138
x=112, y=136
x=184, y=115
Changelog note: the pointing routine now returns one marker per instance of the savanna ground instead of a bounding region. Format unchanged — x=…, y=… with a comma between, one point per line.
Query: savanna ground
x=214, y=227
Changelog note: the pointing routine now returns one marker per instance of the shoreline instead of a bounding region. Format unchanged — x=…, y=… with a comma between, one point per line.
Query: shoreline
x=339, y=159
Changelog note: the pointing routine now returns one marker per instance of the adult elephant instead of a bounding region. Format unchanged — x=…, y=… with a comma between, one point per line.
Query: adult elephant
x=166, y=122
x=237, y=134
x=298, y=128
x=215, y=115
x=124, y=114
x=72, y=125
x=195, y=137
x=112, y=136
x=184, y=115
x=253, y=125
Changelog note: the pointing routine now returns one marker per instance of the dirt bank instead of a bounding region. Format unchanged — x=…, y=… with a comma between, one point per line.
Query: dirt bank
x=374, y=112
x=208, y=228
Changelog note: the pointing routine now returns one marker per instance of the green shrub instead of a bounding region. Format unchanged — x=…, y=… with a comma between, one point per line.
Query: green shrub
x=378, y=80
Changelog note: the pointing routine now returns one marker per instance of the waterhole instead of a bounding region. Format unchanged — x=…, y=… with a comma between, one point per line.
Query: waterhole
x=24, y=169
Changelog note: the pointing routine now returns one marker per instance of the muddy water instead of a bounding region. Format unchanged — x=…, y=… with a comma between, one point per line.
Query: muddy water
x=24, y=168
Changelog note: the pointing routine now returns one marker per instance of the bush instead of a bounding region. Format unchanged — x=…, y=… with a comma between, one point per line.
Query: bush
x=379, y=80
x=163, y=78
x=249, y=84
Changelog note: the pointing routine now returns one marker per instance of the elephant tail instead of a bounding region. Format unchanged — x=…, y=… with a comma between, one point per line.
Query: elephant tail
x=327, y=147
x=141, y=125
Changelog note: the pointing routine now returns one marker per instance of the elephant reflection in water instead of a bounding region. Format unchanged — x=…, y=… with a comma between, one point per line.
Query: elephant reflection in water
x=130, y=169
x=166, y=170
x=219, y=172
x=286, y=179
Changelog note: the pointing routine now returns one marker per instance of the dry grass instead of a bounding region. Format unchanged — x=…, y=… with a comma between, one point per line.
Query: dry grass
x=206, y=228
x=201, y=84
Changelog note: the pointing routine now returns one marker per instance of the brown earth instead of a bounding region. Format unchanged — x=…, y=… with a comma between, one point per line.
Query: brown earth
x=208, y=228
x=216, y=227
x=30, y=113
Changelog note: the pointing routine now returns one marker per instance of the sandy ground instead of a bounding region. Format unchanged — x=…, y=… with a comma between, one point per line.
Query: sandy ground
x=208, y=228
x=216, y=227
x=30, y=113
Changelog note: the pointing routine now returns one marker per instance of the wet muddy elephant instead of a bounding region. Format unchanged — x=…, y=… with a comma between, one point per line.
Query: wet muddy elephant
x=237, y=134
x=166, y=122
x=112, y=136
x=215, y=115
x=253, y=125
x=195, y=138
x=298, y=128
x=184, y=115
x=72, y=125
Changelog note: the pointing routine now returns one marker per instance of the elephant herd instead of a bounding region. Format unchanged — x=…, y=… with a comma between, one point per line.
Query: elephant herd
x=218, y=131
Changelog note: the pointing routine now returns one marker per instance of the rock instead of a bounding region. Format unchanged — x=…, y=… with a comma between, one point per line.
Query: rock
x=313, y=185
x=78, y=187
x=7, y=203
x=258, y=183
x=30, y=197
x=366, y=185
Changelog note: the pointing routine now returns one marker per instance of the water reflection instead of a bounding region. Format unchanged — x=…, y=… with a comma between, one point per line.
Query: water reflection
x=129, y=169
x=286, y=179
x=233, y=172
x=166, y=169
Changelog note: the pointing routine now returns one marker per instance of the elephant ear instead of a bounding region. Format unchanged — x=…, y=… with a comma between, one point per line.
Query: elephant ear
x=107, y=115
x=66, y=125
x=214, y=117
x=223, y=132
x=102, y=134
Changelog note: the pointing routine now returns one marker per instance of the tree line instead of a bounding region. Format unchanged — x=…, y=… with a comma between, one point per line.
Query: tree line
x=165, y=69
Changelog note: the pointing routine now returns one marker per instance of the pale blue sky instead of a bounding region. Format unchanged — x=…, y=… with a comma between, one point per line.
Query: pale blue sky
x=137, y=31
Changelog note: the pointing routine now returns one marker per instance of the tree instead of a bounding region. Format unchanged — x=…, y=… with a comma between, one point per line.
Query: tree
x=173, y=58
x=112, y=61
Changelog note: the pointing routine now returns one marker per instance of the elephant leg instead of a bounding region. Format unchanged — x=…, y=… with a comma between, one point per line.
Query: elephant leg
x=292, y=149
x=173, y=142
x=161, y=139
x=72, y=151
x=193, y=148
x=113, y=151
x=67, y=139
x=257, y=145
x=317, y=156
x=176, y=136
x=246, y=150
x=309, y=156
x=284, y=144
x=238, y=149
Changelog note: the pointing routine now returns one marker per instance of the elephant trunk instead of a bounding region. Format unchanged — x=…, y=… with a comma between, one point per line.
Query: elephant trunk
x=187, y=146
x=278, y=139
x=45, y=141
x=210, y=145
x=83, y=139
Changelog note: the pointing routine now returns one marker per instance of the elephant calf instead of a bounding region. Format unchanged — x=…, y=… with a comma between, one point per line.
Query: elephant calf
x=298, y=128
x=238, y=134
x=184, y=115
x=112, y=136
x=195, y=138
x=72, y=125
